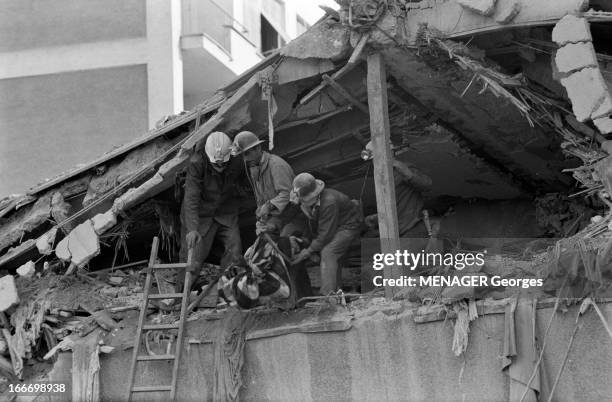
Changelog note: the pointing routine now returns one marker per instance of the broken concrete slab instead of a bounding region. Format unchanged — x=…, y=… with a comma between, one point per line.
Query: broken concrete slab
x=8, y=292
x=604, y=125
x=61, y=250
x=575, y=56
x=585, y=89
x=119, y=172
x=322, y=41
x=83, y=244
x=482, y=7
x=60, y=211
x=571, y=29
x=25, y=221
x=134, y=195
x=27, y=270
x=44, y=243
x=103, y=222
x=174, y=165
x=605, y=107
x=80, y=246
x=507, y=11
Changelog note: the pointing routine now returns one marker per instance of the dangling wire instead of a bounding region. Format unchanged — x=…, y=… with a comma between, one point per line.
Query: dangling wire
x=365, y=178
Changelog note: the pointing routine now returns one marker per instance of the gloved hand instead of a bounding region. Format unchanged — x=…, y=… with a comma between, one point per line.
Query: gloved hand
x=294, y=198
x=302, y=255
x=295, y=243
x=263, y=211
x=263, y=227
x=193, y=238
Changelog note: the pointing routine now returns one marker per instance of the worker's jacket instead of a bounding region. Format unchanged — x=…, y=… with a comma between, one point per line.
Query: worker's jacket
x=409, y=196
x=272, y=179
x=334, y=211
x=209, y=193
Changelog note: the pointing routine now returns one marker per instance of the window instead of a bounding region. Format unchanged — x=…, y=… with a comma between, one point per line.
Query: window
x=270, y=38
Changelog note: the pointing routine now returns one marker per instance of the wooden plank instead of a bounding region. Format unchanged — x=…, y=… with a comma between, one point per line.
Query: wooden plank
x=345, y=94
x=85, y=369
x=383, y=163
x=352, y=62
x=214, y=121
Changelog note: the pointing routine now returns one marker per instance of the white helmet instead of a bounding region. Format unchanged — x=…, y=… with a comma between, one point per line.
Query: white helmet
x=218, y=147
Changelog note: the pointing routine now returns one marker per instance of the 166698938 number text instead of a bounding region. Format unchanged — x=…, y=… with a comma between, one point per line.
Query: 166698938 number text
x=36, y=388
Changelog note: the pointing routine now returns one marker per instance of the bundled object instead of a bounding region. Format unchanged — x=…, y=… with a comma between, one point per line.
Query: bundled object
x=259, y=277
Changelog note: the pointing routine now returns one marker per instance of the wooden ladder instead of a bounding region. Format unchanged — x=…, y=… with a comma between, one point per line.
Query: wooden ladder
x=176, y=357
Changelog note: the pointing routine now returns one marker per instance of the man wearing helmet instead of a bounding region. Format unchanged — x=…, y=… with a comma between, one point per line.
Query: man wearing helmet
x=334, y=221
x=211, y=202
x=270, y=176
x=409, y=185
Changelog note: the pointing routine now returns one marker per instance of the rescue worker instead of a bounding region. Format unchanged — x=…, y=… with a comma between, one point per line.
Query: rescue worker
x=211, y=203
x=334, y=221
x=409, y=186
x=269, y=175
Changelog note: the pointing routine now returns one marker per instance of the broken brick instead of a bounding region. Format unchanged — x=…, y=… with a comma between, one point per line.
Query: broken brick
x=604, y=125
x=482, y=7
x=103, y=222
x=8, y=292
x=585, y=89
x=507, y=11
x=571, y=29
x=27, y=270
x=575, y=56
x=44, y=243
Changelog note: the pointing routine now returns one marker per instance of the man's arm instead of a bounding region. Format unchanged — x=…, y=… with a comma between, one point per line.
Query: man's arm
x=282, y=176
x=193, y=191
x=327, y=227
x=412, y=175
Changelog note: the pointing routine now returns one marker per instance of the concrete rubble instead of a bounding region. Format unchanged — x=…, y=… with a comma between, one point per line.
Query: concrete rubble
x=80, y=246
x=27, y=270
x=8, y=293
x=576, y=62
x=103, y=222
x=44, y=243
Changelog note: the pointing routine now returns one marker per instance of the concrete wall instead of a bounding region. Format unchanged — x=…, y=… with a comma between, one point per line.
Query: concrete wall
x=384, y=356
x=49, y=123
x=27, y=24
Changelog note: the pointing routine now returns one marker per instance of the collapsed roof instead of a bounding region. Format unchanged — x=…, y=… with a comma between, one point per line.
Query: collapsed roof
x=492, y=100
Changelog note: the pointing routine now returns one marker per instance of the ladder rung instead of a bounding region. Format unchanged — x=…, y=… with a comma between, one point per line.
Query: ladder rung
x=168, y=266
x=166, y=296
x=160, y=326
x=152, y=388
x=155, y=357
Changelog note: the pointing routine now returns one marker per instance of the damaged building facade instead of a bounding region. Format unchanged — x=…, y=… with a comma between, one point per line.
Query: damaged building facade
x=506, y=105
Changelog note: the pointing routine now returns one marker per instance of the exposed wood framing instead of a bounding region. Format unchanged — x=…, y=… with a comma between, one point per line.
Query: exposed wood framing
x=345, y=94
x=352, y=62
x=383, y=160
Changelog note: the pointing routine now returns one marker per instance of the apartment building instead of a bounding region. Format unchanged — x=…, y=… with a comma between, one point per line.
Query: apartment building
x=78, y=77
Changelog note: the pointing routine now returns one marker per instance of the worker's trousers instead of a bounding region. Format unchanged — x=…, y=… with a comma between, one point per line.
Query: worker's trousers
x=224, y=228
x=331, y=273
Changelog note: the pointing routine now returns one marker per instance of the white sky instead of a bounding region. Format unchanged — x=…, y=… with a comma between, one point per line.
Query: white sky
x=310, y=11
